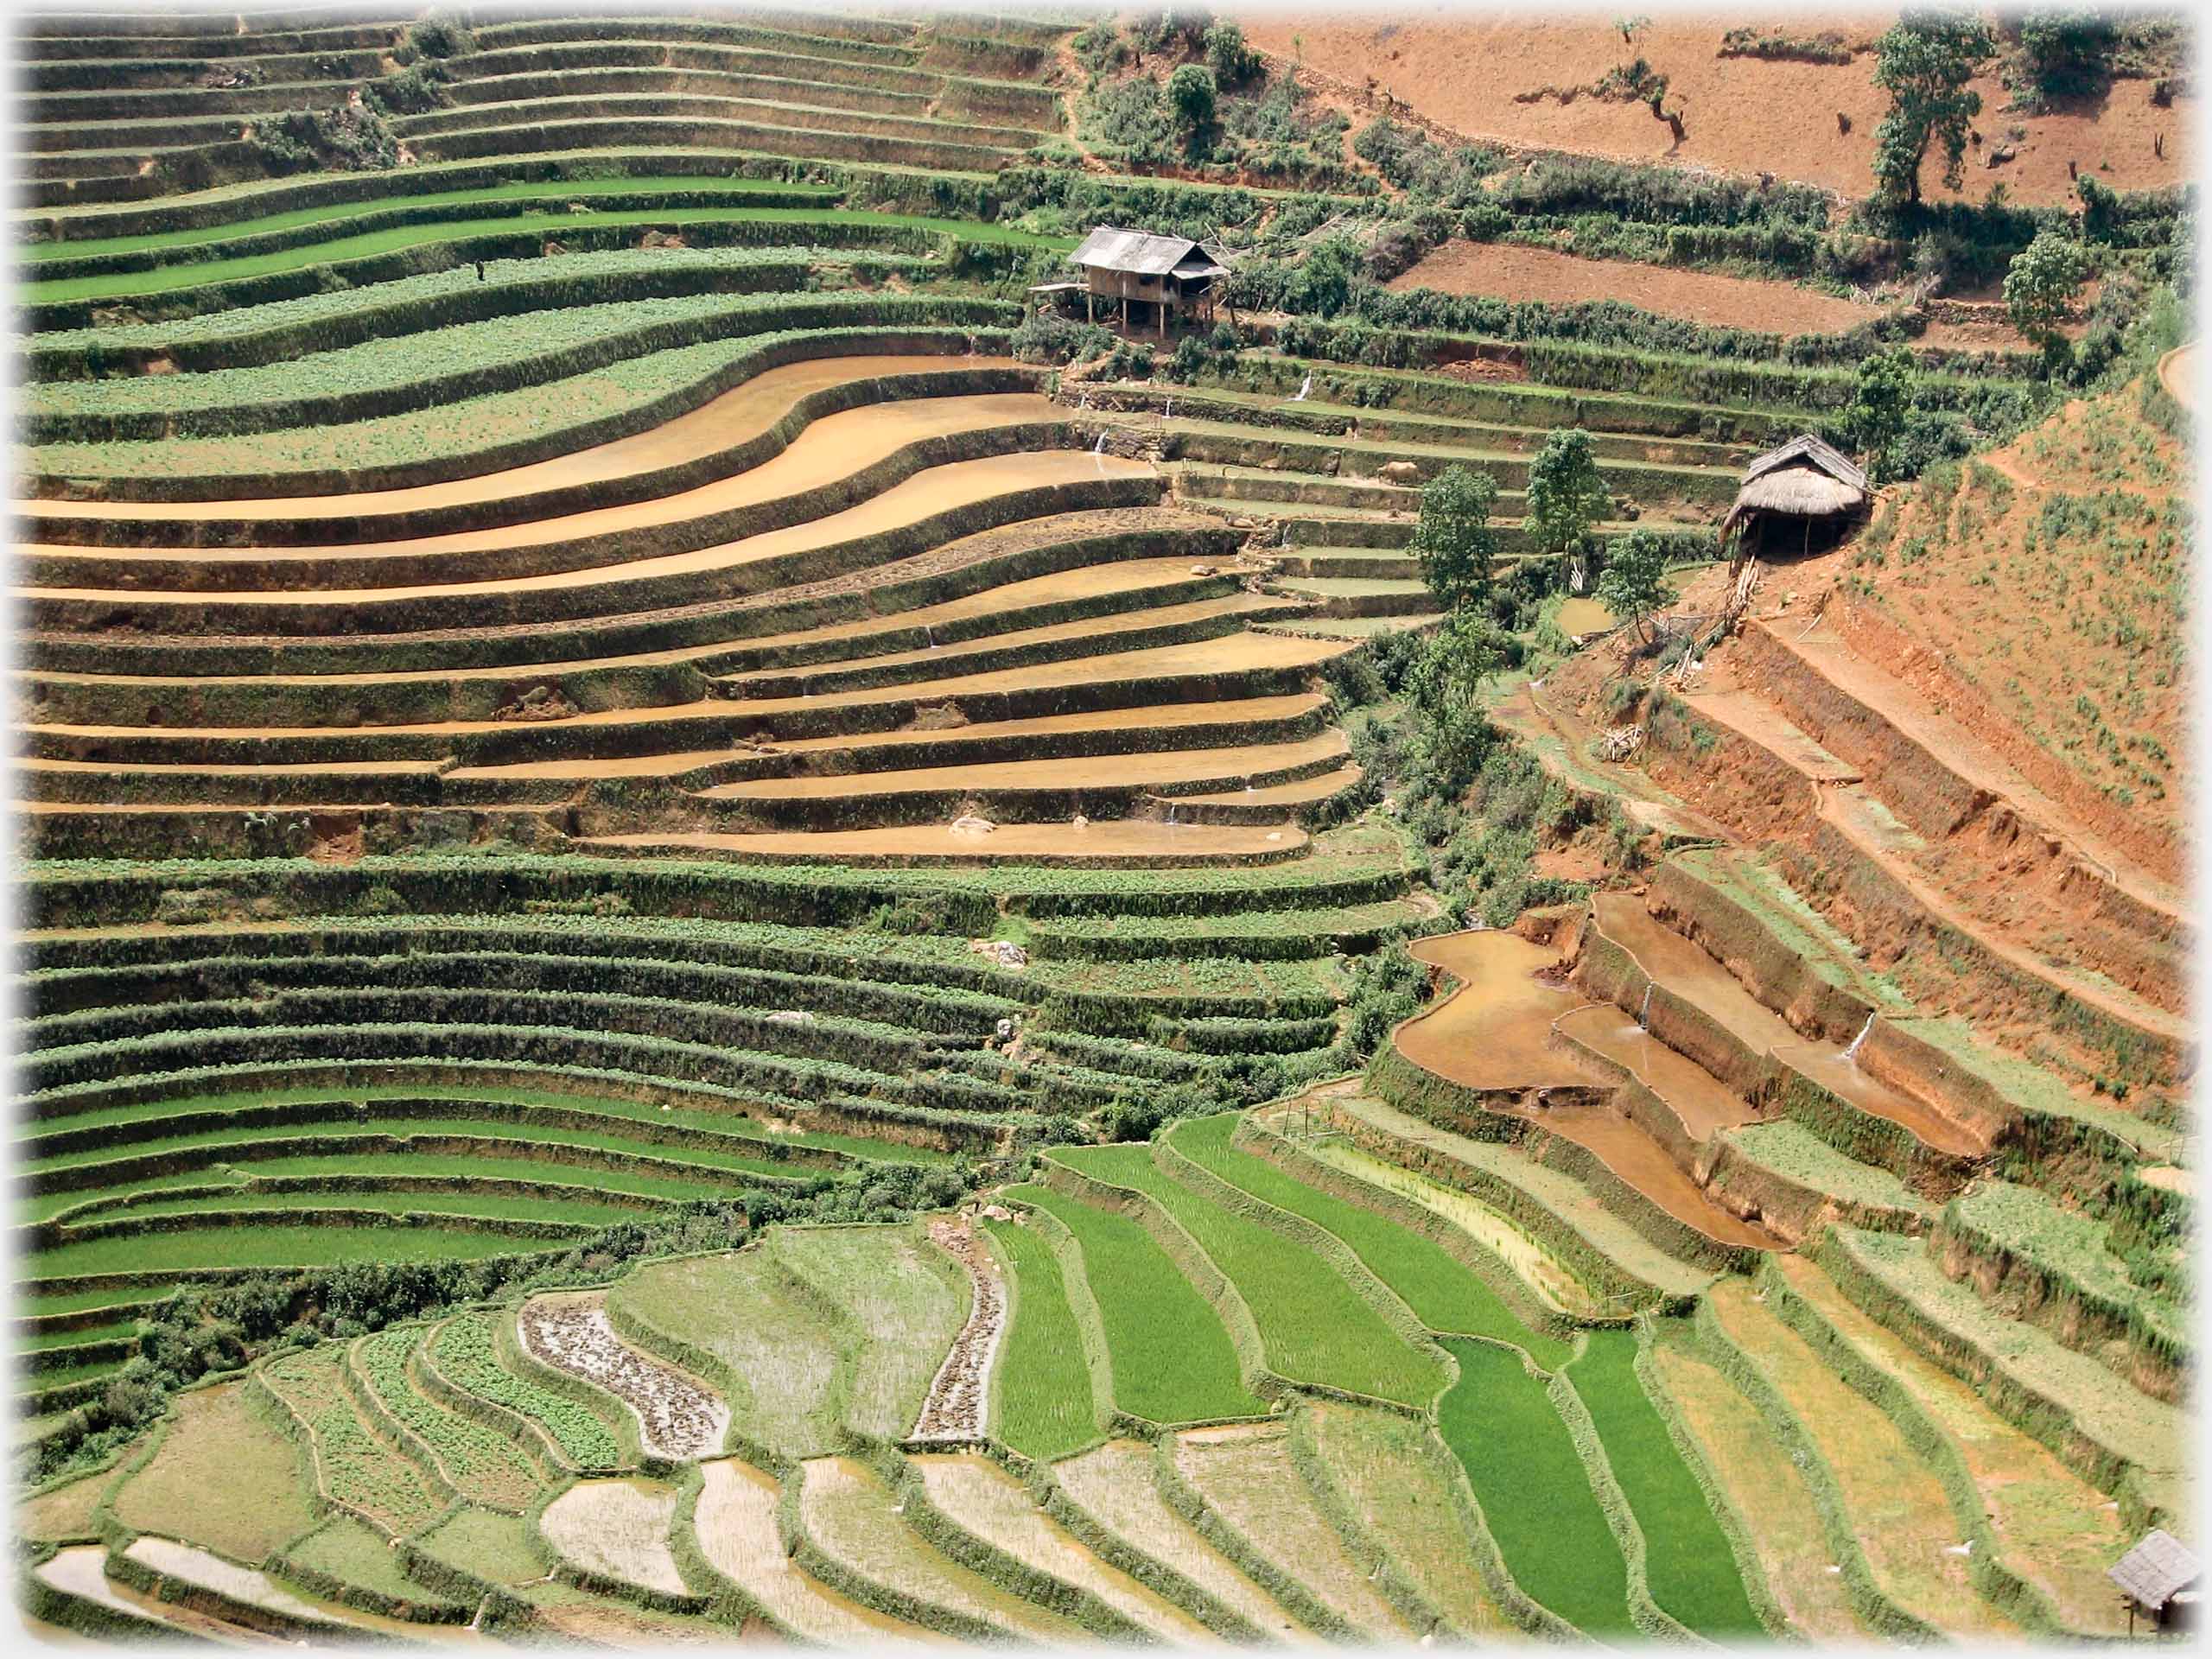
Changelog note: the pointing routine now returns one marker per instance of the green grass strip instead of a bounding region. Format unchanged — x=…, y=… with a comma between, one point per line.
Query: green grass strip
x=273, y=1246
x=410, y=236
x=575, y=1212
x=1535, y=1494
x=563, y=190
x=1045, y=1408
x=1314, y=1327
x=1170, y=1355
x=1442, y=1293
x=735, y=1127
x=1688, y=1564
x=485, y=1163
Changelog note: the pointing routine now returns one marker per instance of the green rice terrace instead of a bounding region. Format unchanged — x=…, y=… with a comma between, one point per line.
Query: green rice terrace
x=748, y=907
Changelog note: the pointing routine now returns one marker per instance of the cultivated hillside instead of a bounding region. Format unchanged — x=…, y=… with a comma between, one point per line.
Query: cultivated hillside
x=1747, y=107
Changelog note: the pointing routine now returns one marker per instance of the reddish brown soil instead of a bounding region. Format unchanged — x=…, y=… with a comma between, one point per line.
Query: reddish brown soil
x=1742, y=115
x=1507, y=271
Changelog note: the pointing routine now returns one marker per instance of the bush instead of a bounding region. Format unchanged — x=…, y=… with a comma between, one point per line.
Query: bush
x=1190, y=96
x=1127, y=116
x=1232, y=61
x=440, y=34
x=353, y=139
x=2066, y=50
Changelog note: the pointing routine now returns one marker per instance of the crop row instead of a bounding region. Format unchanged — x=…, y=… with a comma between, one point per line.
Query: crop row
x=247, y=336
x=481, y=1464
x=495, y=431
x=487, y=962
x=389, y=375
x=91, y=891
x=464, y=1354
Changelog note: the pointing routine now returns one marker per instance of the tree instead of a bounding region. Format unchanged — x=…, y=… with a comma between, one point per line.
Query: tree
x=1453, y=540
x=2067, y=49
x=1924, y=63
x=1445, y=685
x=1189, y=95
x=1876, y=418
x=1233, y=61
x=1566, y=496
x=2040, y=286
x=1633, y=583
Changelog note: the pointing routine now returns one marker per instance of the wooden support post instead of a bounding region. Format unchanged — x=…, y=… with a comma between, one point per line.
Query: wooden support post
x=1808, y=549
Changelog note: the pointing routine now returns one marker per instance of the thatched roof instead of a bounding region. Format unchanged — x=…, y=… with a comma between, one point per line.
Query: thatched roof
x=1799, y=490
x=1804, y=477
x=1806, y=450
x=2152, y=1571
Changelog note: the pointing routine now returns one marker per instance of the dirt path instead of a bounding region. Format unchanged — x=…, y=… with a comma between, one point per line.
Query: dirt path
x=1141, y=841
x=2177, y=374
x=1510, y=271
x=959, y=1403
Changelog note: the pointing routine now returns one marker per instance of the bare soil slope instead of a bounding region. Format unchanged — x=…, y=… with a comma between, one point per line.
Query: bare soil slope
x=1743, y=115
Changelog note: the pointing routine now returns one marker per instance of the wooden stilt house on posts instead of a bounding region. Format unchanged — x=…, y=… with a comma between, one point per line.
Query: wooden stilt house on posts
x=2158, y=1579
x=1793, y=497
x=1150, y=278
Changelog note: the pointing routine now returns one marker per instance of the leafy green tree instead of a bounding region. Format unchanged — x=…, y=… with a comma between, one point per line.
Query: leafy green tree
x=1566, y=495
x=1875, y=420
x=1445, y=685
x=1453, y=540
x=1233, y=62
x=1633, y=584
x=2067, y=49
x=1190, y=96
x=2040, y=286
x=1923, y=63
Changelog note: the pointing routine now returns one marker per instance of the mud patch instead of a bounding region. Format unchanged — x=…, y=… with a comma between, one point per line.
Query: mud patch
x=676, y=1417
x=958, y=1405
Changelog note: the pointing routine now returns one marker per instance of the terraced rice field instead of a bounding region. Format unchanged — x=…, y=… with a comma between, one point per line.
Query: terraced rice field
x=635, y=791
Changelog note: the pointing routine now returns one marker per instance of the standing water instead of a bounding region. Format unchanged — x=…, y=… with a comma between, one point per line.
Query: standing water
x=1851, y=1053
x=1643, y=1014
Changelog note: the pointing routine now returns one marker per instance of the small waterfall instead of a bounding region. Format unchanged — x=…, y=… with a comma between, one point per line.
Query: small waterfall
x=1171, y=811
x=1170, y=415
x=1304, y=391
x=929, y=633
x=1099, y=447
x=1851, y=1053
x=1643, y=1014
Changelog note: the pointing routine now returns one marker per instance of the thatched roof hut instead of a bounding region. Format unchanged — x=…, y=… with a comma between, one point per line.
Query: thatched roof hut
x=1805, y=480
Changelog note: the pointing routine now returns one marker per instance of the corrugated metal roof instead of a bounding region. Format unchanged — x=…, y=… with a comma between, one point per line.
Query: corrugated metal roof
x=1808, y=448
x=1134, y=250
x=2156, y=1569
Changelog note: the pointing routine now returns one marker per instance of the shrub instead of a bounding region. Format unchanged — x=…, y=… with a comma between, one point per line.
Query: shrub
x=1190, y=96
x=440, y=34
x=1232, y=61
x=2040, y=288
x=2066, y=50
x=1100, y=47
